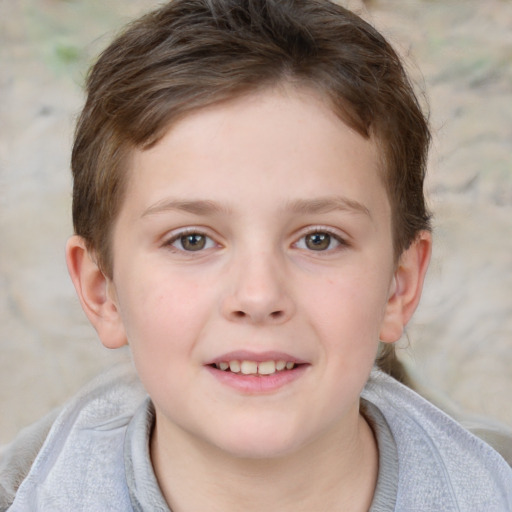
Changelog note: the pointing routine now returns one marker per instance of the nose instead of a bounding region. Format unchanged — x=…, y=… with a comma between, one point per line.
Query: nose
x=258, y=291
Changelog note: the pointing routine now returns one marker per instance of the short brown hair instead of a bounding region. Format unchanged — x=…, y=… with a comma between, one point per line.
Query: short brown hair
x=192, y=53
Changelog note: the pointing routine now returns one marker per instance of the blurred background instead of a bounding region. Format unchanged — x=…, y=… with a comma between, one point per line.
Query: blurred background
x=459, y=346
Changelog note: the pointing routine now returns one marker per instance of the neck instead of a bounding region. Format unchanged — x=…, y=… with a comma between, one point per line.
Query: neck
x=337, y=473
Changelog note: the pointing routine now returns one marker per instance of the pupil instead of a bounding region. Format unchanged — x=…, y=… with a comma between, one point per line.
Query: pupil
x=193, y=242
x=318, y=241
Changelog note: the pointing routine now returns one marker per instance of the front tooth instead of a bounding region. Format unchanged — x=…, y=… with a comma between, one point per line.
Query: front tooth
x=289, y=365
x=234, y=366
x=267, y=368
x=223, y=366
x=249, y=367
x=280, y=365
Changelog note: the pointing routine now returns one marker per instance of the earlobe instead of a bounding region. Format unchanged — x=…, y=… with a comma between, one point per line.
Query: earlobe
x=96, y=293
x=406, y=287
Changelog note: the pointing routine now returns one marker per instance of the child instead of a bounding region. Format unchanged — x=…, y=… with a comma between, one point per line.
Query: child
x=249, y=215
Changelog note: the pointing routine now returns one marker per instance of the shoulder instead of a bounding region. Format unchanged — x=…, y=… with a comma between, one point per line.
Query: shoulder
x=441, y=464
x=495, y=435
x=82, y=453
x=17, y=458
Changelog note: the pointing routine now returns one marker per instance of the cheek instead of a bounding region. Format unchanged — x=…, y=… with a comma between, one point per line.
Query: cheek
x=348, y=310
x=163, y=324
x=162, y=314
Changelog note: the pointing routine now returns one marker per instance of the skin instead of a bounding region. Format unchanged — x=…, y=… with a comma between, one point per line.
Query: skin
x=257, y=180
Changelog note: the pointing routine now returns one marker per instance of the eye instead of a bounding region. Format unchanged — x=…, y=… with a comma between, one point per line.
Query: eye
x=191, y=242
x=319, y=241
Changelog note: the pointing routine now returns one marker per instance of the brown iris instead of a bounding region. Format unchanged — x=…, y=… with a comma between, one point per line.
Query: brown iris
x=318, y=241
x=193, y=242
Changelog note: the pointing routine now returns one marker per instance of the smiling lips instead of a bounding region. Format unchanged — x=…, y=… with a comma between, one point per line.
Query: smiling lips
x=257, y=373
x=246, y=367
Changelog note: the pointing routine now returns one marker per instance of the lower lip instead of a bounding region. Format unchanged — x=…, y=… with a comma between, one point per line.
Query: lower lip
x=256, y=384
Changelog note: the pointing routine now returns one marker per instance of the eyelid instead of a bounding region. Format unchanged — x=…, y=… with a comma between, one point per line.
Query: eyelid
x=341, y=238
x=178, y=233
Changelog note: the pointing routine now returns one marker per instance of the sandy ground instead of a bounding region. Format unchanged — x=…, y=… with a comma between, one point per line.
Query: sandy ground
x=460, y=343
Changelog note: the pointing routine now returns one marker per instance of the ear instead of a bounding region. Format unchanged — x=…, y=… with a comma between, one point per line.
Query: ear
x=406, y=287
x=96, y=293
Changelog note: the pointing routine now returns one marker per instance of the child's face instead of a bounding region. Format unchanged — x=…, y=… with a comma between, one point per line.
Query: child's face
x=256, y=230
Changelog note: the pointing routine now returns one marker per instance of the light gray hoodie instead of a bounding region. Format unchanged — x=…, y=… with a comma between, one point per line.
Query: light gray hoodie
x=94, y=456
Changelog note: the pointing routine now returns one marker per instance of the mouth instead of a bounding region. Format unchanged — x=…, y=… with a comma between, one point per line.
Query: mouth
x=259, y=368
x=257, y=373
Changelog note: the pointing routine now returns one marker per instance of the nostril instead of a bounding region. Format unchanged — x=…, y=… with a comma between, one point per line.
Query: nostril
x=274, y=315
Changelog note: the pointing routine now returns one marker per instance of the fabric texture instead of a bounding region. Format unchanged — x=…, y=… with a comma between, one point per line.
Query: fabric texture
x=386, y=489
x=442, y=466
x=96, y=455
x=16, y=459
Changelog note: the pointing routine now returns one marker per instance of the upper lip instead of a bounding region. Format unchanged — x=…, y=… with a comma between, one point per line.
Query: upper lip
x=258, y=357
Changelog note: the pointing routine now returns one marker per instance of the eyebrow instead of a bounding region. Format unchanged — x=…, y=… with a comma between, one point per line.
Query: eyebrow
x=326, y=205
x=297, y=206
x=197, y=207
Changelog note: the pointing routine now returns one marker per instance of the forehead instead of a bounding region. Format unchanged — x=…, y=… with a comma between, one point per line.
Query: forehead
x=285, y=143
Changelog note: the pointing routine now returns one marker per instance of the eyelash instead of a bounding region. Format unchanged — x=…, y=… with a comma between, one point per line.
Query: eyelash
x=320, y=230
x=210, y=243
x=181, y=235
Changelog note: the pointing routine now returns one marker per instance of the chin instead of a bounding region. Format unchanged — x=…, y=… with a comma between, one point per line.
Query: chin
x=258, y=442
